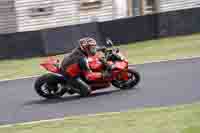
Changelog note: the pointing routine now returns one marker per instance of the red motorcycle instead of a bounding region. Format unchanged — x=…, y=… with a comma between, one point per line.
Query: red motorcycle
x=53, y=84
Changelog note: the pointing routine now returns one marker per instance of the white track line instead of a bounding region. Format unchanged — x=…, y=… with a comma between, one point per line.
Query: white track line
x=27, y=77
x=178, y=59
x=89, y=115
x=57, y=119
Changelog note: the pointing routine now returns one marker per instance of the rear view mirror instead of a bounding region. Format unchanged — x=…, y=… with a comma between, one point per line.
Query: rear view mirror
x=109, y=42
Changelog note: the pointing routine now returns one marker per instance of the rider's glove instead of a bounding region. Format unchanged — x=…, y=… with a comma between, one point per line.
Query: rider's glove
x=106, y=74
x=103, y=60
x=107, y=66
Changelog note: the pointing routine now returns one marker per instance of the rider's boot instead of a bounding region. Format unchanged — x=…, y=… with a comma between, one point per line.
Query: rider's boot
x=81, y=87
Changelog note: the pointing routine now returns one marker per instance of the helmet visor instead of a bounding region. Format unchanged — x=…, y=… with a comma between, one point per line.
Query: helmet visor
x=93, y=50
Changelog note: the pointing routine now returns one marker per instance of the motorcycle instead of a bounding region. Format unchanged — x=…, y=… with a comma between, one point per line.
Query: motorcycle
x=54, y=84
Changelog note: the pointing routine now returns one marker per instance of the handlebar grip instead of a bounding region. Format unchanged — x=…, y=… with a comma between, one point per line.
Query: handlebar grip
x=101, y=49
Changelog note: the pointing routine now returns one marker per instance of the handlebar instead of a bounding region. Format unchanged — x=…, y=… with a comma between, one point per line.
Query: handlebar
x=110, y=52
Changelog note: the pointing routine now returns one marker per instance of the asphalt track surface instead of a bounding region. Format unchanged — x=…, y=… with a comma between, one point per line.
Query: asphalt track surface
x=162, y=84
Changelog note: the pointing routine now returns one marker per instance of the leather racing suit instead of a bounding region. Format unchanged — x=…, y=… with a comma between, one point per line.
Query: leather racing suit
x=74, y=64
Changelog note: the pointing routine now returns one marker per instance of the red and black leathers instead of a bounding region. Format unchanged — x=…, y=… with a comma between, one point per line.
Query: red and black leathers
x=76, y=64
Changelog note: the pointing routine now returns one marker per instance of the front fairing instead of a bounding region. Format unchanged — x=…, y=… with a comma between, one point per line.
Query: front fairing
x=95, y=64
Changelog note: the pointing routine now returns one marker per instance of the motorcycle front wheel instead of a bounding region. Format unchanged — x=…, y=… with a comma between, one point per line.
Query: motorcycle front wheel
x=134, y=79
x=49, y=86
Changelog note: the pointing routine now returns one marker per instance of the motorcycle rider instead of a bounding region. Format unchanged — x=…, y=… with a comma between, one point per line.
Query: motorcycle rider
x=76, y=63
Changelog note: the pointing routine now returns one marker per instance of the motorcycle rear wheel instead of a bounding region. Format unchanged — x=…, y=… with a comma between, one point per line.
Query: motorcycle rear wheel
x=134, y=79
x=49, y=86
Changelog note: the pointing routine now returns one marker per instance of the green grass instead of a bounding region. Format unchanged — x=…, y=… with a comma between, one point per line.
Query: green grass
x=22, y=67
x=140, y=52
x=163, y=49
x=178, y=119
x=181, y=119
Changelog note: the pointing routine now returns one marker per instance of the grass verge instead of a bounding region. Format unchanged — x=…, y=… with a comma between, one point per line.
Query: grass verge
x=163, y=49
x=179, y=119
x=140, y=52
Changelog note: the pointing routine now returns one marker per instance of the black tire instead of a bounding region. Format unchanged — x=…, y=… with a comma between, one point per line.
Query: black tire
x=49, y=80
x=130, y=83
